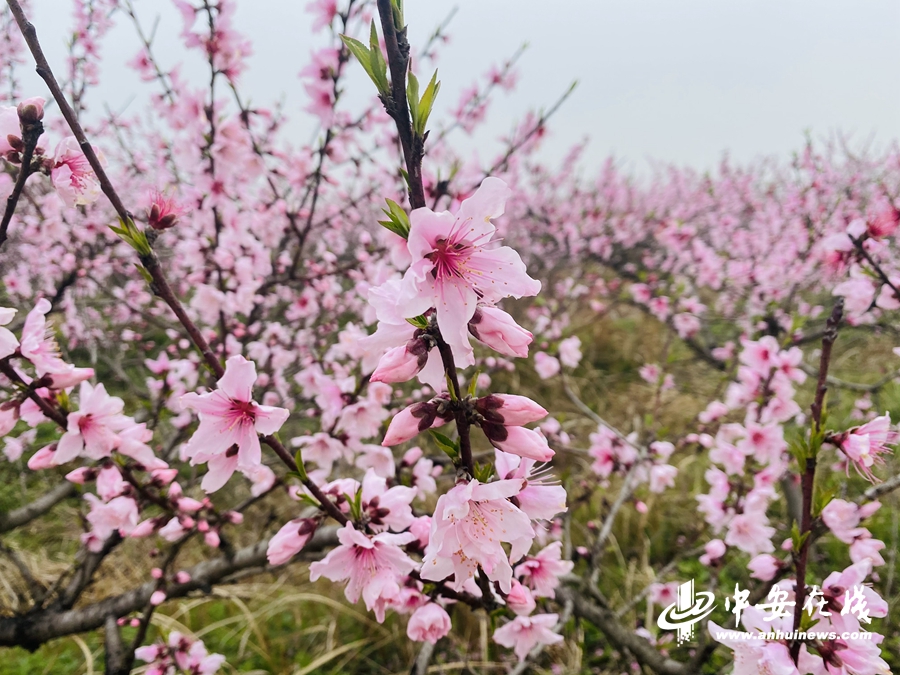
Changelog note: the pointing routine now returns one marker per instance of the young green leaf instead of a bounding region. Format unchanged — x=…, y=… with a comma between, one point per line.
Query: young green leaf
x=301, y=469
x=371, y=60
x=448, y=446
x=425, y=104
x=419, y=322
x=398, y=221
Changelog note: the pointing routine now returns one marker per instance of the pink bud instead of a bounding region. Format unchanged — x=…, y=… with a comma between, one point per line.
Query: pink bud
x=290, y=540
x=400, y=363
x=429, y=623
x=519, y=441
x=157, y=598
x=69, y=378
x=412, y=456
x=212, y=539
x=164, y=476
x=520, y=600
x=80, y=475
x=714, y=550
x=110, y=483
x=182, y=577
x=43, y=458
x=175, y=491
x=156, y=573
x=163, y=212
x=509, y=409
x=189, y=505
x=764, y=567
x=499, y=331
x=31, y=110
x=640, y=507
x=144, y=528
x=867, y=510
x=408, y=423
x=203, y=526
x=234, y=517
x=421, y=527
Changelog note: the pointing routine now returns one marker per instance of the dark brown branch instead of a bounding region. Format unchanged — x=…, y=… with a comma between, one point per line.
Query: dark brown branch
x=808, y=477
x=30, y=135
x=160, y=285
x=43, y=69
x=49, y=411
x=398, y=107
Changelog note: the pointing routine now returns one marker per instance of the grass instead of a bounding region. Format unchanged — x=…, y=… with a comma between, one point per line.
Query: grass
x=282, y=623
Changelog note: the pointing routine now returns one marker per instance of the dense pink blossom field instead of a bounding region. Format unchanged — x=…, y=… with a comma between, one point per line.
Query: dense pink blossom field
x=372, y=405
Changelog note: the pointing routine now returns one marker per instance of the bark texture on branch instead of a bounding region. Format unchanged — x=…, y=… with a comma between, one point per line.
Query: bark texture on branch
x=33, y=629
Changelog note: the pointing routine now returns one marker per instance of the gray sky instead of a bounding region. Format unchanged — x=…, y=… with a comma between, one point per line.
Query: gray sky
x=674, y=81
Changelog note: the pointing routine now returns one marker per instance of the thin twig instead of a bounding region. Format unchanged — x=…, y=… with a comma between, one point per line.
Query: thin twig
x=30, y=135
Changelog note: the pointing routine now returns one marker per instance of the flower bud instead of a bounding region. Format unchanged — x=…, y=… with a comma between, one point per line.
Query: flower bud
x=43, y=458
x=290, y=540
x=412, y=456
x=509, y=409
x=144, y=528
x=31, y=110
x=81, y=475
x=189, y=505
x=69, y=378
x=410, y=422
x=520, y=600
x=402, y=363
x=429, y=623
x=499, y=331
x=518, y=441
x=163, y=212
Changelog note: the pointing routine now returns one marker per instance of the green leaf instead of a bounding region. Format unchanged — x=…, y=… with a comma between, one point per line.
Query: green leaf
x=379, y=65
x=426, y=104
x=397, y=13
x=822, y=498
x=419, y=322
x=473, y=383
x=307, y=499
x=797, y=538
x=355, y=505
x=398, y=221
x=132, y=235
x=483, y=472
x=450, y=388
x=144, y=273
x=450, y=447
x=301, y=469
x=371, y=62
x=420, y=109
x=412, y=96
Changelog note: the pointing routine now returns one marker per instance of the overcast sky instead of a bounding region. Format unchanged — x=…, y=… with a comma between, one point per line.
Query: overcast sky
x=675, y=81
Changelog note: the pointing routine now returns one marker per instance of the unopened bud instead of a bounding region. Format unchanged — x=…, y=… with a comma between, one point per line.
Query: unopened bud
x=163, y=213
x=31, y=110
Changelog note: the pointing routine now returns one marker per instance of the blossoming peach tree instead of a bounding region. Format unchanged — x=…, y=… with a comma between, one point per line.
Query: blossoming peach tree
x=201, y=321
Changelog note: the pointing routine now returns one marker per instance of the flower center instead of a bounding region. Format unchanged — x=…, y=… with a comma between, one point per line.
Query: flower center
x=449, y=259
x=241, y=412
